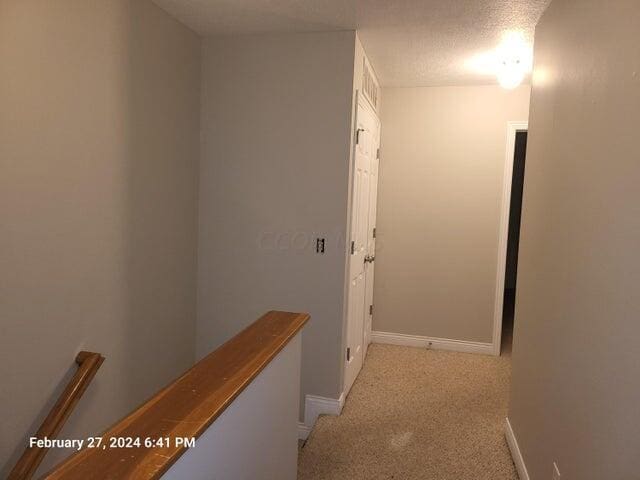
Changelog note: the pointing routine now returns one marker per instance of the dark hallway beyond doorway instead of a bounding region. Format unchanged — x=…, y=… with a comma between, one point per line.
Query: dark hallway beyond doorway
x=515, y=213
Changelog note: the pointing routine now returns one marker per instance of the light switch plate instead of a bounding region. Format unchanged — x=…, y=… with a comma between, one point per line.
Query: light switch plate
x=556, y=472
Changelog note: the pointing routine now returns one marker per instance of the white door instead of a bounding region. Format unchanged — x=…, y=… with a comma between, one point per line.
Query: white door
x=364, y=196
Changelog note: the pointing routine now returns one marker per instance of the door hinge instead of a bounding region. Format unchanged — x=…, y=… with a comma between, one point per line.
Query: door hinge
x=348, y=354
x=378, y=154
x=370, y=309
x=358, y=135
x=374, y=232
x=353, y=247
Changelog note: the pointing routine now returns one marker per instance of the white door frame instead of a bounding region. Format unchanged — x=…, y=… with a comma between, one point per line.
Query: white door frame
x=512, y=129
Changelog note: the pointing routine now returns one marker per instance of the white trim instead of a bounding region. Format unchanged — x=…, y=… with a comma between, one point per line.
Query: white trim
x=303, y=431
x=314, y=406
x=516, y=455
x=503, y=236
x=431, y=343
x=366, y=65
x=362, y=101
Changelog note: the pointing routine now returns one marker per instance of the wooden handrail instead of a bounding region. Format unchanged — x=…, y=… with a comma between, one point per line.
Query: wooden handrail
x=88, y=365
x=185, y=408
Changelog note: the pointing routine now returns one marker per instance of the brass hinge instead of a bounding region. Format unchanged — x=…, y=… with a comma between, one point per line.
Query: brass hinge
x=353, y=247
x=370, y=309
x=348, y=354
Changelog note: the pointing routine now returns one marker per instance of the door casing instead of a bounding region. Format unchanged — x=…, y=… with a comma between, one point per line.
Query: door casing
x=512, y=129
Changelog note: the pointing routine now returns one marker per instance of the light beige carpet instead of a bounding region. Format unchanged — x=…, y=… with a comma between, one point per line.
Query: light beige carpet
x=416, y=414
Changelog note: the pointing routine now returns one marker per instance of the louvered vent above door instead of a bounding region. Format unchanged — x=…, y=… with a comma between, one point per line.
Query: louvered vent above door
x=370, y=85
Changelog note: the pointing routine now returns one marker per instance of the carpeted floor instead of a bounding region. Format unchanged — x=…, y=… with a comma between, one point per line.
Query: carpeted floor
x=416, y=414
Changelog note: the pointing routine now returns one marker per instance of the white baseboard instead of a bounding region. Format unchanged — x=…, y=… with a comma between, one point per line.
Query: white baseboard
x=303, y=431
x=432, y=343
x=314, y=406
x=515, y=451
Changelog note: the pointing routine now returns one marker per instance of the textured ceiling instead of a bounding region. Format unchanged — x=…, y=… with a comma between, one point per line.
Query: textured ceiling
x=409, y=42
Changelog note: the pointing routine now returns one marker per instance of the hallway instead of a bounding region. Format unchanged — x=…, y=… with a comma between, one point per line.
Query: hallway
x=417, y=414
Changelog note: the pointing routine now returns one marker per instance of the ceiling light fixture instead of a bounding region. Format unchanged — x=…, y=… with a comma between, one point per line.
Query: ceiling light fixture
x=510, y=62
x=510, y=74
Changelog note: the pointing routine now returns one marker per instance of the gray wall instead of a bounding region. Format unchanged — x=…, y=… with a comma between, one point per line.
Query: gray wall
x=99, y=148
x=441, y=180
x=575, y=390
x=273, y=177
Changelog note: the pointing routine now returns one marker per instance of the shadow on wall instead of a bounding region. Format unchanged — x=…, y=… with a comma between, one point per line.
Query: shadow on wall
x=99, y=151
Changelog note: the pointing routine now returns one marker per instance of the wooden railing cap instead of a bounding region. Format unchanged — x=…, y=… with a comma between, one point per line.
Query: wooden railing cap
x=187, y=406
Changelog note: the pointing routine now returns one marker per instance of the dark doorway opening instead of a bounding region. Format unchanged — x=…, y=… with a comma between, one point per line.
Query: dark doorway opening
x=513, y=242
